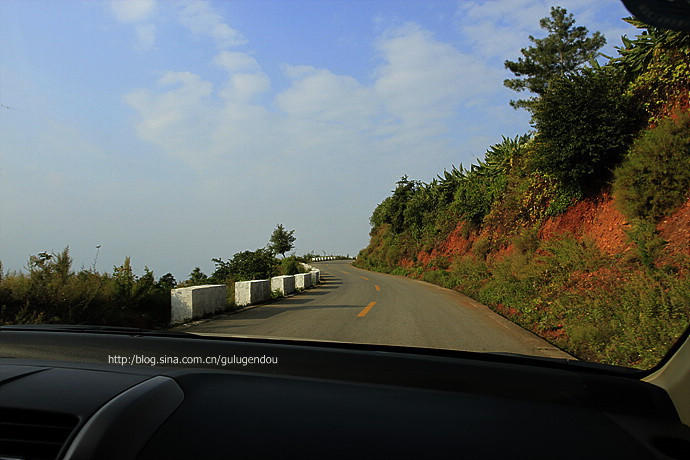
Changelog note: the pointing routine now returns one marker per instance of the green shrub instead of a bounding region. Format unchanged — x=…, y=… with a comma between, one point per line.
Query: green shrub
x=527, y=240
x=230, y=293
x=648, y=244
x=628, y=322
x=512, y=282
x=654, y=179
x=246, y=265
x=481, y=248
x=197, y=277
x=563, y=197
x=473, y=199
x=400, y=271
x=469, y=274
x=564, y=255
x=441, y=262
x=289, y=266
x=657, y=62
x=440, y=278
x=51, y=292
x=585, y=124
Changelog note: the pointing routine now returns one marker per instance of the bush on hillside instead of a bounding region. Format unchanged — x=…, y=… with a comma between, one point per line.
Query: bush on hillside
x=654, y=179
x=470, y=274
x=52, y=293
x=289, y=266
x=585, y=124
x=647, y=243
x=246, y=265
x=474, y=197
x=527, y=240
x=657, y=62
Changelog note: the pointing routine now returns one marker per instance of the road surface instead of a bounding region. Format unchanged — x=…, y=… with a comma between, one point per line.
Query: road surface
x=354, y=305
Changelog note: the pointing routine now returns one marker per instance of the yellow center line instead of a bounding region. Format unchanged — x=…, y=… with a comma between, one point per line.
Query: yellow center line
x=378, y=288
x=366, y=309
x=364, y=278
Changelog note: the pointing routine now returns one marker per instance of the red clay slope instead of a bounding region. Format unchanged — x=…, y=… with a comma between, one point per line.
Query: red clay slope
x=596, y=218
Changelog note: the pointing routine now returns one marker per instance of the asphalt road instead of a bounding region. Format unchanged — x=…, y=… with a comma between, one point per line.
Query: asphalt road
x=354, y=305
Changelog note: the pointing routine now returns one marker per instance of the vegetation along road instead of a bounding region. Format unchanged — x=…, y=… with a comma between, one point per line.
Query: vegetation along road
x=354, y=305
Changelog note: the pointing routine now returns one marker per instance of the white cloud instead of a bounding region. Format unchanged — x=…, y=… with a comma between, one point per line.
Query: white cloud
x=424, y=79
x=233, y=61
x=200, y=18
x=244, y=86
x=175, y=118
x=499, y=28
x=320, y=95
x=132, y=10
x=137, y=12
x=146, y=36
x=245, y=77
x=327, y=120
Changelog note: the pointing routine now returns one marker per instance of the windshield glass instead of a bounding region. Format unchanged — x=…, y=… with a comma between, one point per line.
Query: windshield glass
x=488, y=176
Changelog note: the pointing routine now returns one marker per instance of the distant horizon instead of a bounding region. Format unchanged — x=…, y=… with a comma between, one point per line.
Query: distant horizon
x=176, y=132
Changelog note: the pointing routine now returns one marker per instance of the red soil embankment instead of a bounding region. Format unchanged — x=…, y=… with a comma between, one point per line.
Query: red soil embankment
x=675, y=229
x=597, y=218
x=454, y=245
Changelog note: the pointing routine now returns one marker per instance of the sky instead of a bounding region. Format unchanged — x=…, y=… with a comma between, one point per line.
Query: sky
x=179, y=131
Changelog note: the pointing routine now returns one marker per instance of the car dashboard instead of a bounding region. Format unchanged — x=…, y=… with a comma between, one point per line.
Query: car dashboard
x=60, y=398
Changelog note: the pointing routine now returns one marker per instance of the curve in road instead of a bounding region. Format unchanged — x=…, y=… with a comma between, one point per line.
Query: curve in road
x=354, y=305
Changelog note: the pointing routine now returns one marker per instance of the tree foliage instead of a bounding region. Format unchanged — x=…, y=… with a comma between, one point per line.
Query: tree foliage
x=654, y=179
x=426, y=211
x=282, y=240
x=657, y=63
x=246, y=265
x=52, y=292
x=289, y=266
x=167, y=282
x=564, y=50
x=197, y=277
x=585, y=123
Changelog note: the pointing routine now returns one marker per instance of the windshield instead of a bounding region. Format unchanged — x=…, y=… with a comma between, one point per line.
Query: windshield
x=489, y=176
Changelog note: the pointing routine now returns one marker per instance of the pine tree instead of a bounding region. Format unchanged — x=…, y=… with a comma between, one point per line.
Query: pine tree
x=281, y=240
x=565, y=49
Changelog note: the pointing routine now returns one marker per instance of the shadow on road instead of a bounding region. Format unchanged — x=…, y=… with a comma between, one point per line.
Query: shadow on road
x=275, y=307
x=224, y=322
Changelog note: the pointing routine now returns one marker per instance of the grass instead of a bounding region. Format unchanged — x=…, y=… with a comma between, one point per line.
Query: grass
x=610, y=309
x=51, y=292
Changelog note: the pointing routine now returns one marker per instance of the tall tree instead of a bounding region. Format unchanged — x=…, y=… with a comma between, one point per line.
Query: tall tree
x=197, y=276
x=565, y=49
x=167, y=282
x=282, y=240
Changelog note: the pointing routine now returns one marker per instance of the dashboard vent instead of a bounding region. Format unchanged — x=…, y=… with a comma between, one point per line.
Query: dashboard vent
x=28, y=434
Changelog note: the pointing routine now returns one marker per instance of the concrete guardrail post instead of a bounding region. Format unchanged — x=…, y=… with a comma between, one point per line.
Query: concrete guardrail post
x=302, y=280
x=251, y=292
x=285, y=284
x=196, y=301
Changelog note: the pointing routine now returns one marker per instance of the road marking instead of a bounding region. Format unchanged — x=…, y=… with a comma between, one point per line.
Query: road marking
x=366, y=309
x=364, y=278
x=378, y=288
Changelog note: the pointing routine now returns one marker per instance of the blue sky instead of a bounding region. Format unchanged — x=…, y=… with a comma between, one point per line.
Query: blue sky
x=179, y=131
